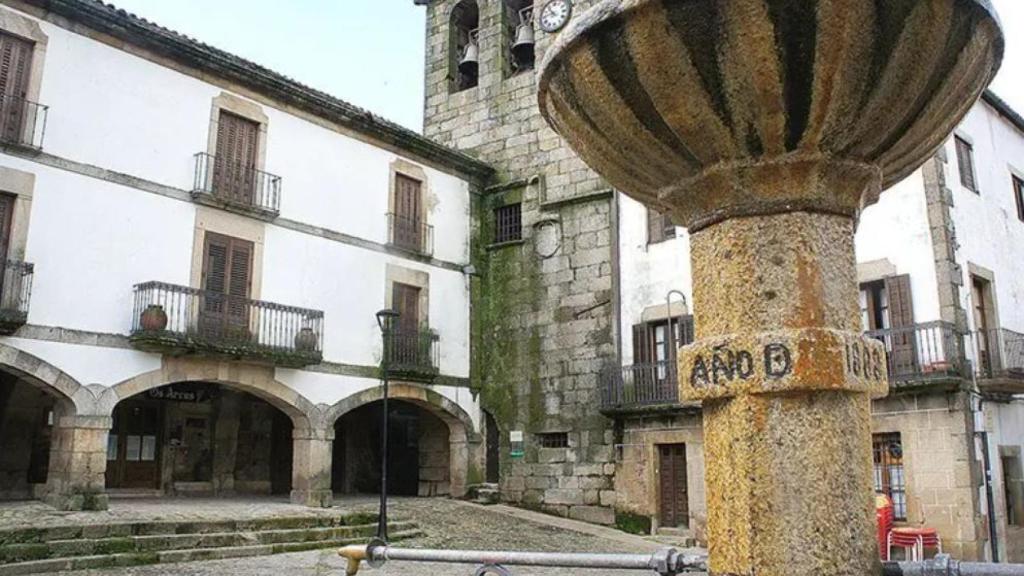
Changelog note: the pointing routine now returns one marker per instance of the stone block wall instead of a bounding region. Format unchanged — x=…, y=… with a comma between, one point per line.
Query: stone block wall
x=543, y=308
x=942, y=475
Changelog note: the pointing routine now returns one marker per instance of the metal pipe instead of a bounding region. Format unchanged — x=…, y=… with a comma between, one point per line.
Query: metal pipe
x=943, y=565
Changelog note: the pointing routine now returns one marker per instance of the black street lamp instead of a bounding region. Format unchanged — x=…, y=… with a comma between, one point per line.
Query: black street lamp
x=385, y=320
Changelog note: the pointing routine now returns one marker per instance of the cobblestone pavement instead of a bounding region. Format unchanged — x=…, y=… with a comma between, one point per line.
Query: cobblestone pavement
x=447, y=524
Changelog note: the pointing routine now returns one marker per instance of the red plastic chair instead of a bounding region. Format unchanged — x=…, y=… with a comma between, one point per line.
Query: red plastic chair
x=884, y=516
x=915, y=540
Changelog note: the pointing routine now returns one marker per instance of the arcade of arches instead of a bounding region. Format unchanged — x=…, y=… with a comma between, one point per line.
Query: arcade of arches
x=184, y=430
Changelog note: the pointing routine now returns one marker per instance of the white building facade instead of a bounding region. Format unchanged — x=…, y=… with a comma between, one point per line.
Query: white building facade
x=196, y=249
x=942, y=283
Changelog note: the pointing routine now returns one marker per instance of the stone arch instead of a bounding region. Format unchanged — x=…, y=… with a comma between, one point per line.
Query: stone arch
x=462, y=435
x=71, y=396
x=256, y=380
x=463, y=23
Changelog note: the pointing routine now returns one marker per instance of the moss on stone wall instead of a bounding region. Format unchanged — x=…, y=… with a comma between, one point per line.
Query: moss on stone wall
x=633, y=523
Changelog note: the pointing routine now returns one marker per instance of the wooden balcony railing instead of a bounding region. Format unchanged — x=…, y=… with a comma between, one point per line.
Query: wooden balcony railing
x=410, y=234
x=412, y=354
x=236, y=185
x=22, y=122
x=179, y=320
x=15, y=293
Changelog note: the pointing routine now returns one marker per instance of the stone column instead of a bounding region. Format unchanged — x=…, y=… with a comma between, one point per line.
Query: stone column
x=78, y=463
x=225, y=442
x=311, y=467
x=786, y=378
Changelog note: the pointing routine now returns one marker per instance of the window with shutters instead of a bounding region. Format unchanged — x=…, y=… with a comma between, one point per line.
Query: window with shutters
x=408, y=228
x=874, y=305
x=234, y=166
x=227, y=281
x=659, y=227
x=652, y=341
x=1018, y=196
x=15, y=68
x=965, y=163
x=508, y=223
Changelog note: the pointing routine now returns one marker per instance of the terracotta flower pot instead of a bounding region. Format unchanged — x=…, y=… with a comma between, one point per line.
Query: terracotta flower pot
x=306, y=340
x=153, y=318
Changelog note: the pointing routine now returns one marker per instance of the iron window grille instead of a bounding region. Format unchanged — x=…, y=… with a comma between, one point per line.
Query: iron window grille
x=508, y=224
x=887, y=450
x=553, y=440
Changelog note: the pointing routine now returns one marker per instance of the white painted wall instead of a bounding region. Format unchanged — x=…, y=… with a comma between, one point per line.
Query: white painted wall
x=648, y=271
x=92, y=240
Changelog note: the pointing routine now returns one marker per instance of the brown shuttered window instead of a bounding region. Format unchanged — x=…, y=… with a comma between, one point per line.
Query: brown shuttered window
x=15, y=64
x=234, y=168
x=508, y=223
x=227, y=278
x=965, y=161
x=408, y=224
x=406, y=300
x=901, y=321
x=659, y=227
x=6, y=219
x=1018, y=195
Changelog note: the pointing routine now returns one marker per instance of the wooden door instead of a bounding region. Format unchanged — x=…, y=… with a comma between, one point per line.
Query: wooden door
x=15, y=66
x=227, y=279
x=903, y=346
x=133, y=451
x=672, y=493
x=493, y=449
x=408, y=220
x=406, y=300
x=234, y=167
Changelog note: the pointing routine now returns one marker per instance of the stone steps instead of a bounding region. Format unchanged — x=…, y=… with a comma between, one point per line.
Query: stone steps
x=485, y=494
x=136, y=544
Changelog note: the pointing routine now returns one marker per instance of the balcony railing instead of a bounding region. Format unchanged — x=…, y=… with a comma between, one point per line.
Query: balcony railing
x=179, y=320
x=923, y=352
x=15, y=293
x=639, y=385
x=22, y=122
x=999, y=353
x=410, y=234
x=412, y=354
x=236, y=185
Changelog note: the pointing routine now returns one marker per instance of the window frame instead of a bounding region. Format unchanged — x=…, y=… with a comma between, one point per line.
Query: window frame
x=513, y=231
x=18, y=26
x=660, y=227
x=882, y=470
x=554, y=440
x=1018, y=194
x=964, y=150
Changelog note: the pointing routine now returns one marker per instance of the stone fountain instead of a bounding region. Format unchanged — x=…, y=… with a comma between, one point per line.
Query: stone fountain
x=765, y=127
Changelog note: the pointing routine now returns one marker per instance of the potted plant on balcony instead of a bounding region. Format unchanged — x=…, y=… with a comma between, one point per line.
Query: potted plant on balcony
x=305, y=340
x=153, y=318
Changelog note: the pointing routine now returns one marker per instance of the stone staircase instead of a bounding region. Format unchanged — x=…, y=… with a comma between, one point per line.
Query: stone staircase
x=77, y=547
x=485, y=494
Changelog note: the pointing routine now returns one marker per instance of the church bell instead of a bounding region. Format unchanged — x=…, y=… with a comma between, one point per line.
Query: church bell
x=470, y=63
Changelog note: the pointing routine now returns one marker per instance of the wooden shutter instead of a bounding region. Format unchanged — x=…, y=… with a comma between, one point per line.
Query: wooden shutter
x=227, y=278
x=15, y=65
x=901, y=321
x=406, y=300
x=1018, y=195
x=655, y=228
x=643, y=351
x=408, y=213
x=965, y=162
x=6, y=219
x=234, y=173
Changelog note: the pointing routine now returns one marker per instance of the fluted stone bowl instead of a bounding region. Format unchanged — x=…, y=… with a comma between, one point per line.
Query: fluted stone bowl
x=717, y=108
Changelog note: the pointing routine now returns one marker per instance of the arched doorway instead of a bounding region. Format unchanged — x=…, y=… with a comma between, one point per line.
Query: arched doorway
x=419, y=456
x=28, y=413
x=493, y=454
x=197, y=437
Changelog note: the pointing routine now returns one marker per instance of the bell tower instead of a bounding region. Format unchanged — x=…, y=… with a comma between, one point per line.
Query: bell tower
x=544, y=301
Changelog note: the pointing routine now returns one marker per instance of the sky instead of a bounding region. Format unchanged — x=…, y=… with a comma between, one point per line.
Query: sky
x=370, y=52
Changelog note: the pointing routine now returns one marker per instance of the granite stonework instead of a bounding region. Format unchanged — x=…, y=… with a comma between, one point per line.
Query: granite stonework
x=543, y=313
x=765, y=127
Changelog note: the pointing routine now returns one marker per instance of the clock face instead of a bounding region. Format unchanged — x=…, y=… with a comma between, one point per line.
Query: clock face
x=555, y=15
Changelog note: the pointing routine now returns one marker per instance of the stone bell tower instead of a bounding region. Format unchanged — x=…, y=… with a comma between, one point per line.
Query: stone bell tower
x=543, y=302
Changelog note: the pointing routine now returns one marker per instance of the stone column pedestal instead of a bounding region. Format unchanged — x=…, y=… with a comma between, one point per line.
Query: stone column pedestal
x=786, y=379
x=311, y=467
x=78, y=463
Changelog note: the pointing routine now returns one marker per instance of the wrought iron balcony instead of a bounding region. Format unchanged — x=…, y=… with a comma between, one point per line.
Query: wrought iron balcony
x=22, y=122
x=923, y=353
x=15, y=293
x=412, y=354
x=179, y=320
x=640, y=386
x=410, y=234
x=999, y=361
x=236, y=185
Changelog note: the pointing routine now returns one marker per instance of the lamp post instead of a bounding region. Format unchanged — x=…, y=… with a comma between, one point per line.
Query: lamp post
x=385, y=321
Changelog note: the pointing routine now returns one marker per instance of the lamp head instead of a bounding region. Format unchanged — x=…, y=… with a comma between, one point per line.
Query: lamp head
x=385, y=318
